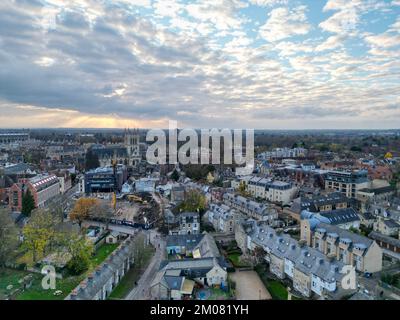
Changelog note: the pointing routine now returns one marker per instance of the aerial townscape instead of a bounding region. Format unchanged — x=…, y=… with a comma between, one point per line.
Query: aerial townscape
x=113, y=226
x=183, y=158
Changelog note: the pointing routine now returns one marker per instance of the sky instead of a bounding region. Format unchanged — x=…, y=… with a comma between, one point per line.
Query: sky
x=263, y=64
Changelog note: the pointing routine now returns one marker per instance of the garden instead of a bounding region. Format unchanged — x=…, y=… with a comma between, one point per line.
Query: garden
x=24, y=285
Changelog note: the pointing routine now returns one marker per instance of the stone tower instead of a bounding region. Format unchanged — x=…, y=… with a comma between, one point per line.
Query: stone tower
x=132, y=145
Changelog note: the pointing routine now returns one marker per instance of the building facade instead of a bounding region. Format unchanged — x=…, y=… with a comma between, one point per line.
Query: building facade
x=343, y=245
x=347, y=182
x=251, y=208
x=42, y=187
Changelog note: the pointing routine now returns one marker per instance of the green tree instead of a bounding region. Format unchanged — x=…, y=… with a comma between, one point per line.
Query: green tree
x=28, y=203
x=8, y=237
x=175, y=175
x=80, y=250
x=39, y=233
x=194, y=201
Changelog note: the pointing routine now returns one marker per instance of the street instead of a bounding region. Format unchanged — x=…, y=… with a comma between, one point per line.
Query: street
x=142, y=290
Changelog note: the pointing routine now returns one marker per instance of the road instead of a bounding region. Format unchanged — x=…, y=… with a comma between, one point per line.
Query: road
x=142, y=290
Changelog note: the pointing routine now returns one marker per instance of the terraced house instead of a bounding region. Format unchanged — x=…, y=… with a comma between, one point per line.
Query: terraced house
x=310, y=270
x=343, y=245
x=320, y=203
x=100, y=283
x=251, y=208
x=222, y=217
x=272, y=190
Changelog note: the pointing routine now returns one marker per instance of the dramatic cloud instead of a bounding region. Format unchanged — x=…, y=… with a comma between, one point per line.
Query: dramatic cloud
x=258, y=63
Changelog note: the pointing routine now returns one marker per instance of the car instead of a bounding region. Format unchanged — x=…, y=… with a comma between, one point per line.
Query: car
x=367, y=275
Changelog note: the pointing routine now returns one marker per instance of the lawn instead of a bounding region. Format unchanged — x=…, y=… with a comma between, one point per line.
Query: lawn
x=277, y=290
x=10, y=277
x=235, y=259
x=102, y=253
x=67, y=284
x=128, y=281
x=36, y=292
x=218, y=294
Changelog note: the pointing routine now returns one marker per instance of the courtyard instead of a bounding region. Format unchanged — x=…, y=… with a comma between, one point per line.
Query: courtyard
x=249, y=286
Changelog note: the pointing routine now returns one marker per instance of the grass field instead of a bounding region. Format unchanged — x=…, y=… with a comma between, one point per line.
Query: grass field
x=10, y=277
x=66, y=285
x=36, y=292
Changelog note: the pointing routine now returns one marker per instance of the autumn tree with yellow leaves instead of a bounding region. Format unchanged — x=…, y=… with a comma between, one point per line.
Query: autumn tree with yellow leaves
x=84, y=208
x=39, y=233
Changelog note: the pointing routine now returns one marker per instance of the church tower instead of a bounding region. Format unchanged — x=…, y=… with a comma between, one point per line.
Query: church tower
x=132, y=145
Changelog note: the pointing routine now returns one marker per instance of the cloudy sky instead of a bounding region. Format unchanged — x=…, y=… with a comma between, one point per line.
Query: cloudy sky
x=272, y=64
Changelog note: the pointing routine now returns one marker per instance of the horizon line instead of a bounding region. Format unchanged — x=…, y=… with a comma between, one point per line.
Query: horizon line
x=255, y=129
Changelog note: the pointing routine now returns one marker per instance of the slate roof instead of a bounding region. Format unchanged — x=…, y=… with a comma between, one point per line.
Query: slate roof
x=207, y=247
x=340, y=216
x=386, y=239
x=311, y=204
x=247, y=204
x=88, y=288
x=355, y=240
x=190, y=241
x=189, y=216
x=304, y=258
x=391, y=223
x=173, y=282
x=187, y=268
x=380, y=190
x=220, y=211
x=16, y=168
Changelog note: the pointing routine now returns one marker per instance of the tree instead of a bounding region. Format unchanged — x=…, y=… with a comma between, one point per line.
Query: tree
x=259, y=254
x=28, y=203
x=83, y=209
x=39, y=233
x=102, y=211
x=194, y=201
x=8, y=237
x=175, y=175
x=80, y=250
x=242, y=189
x=91, y=161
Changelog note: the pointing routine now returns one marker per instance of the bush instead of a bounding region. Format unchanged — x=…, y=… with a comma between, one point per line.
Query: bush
x=234, y=251
x=21, y=266
x=77, y=265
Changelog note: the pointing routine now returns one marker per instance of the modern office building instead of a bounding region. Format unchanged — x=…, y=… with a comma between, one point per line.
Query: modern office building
x=105, y=179
x=346, y=182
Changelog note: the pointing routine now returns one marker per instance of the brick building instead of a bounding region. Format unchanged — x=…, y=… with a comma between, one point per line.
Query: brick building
x=42, y=187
